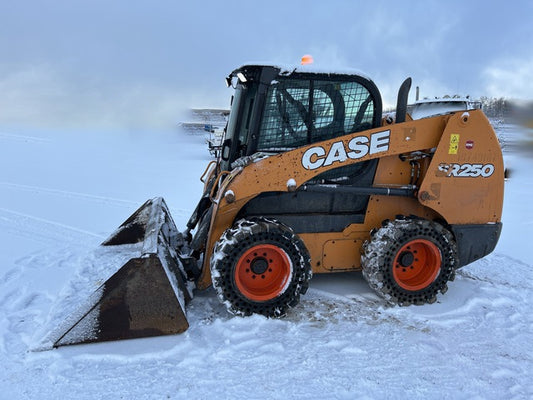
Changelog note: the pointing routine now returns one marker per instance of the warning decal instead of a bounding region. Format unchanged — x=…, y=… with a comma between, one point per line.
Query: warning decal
x=454, y=143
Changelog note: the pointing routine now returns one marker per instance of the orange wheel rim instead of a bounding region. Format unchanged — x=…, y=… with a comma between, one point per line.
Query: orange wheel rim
x=263, y=272
x=416, y=264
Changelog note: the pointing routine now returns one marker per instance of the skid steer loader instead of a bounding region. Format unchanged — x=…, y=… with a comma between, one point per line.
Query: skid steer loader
x=311, y=178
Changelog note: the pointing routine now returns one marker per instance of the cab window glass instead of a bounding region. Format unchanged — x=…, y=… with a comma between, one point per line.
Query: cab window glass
x=338, y=108
x=285, y=117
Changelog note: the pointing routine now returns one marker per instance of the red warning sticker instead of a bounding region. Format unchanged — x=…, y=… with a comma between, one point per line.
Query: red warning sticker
x=469, y=144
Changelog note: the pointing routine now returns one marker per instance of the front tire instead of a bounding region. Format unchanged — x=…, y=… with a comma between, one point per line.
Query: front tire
x=409, y=261
x=260, y=266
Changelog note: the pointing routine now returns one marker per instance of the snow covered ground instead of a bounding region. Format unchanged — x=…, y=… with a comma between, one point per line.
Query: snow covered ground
x=62, y=193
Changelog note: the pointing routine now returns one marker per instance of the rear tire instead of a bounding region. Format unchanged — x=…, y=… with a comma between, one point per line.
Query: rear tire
x=260, y=266
x=409, y=261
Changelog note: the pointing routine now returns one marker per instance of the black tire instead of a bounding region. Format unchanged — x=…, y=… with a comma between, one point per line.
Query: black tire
x=260, y=266
x=409, y=261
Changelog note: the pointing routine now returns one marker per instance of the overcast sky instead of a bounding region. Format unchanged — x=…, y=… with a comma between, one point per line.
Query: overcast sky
x=140, y=63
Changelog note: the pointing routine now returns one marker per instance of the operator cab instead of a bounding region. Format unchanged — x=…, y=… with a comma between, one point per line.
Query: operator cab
x=275, y=110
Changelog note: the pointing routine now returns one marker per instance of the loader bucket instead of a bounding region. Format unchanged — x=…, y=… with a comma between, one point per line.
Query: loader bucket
x=147, y=295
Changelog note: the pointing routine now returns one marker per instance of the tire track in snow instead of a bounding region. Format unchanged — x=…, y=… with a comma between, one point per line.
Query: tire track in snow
x=41, y=229
x=23, y=138
x=69, y=194
x=130, y=204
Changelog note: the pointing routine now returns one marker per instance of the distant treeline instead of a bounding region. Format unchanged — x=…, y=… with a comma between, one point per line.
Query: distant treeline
x=497, y=107
x=511, y=110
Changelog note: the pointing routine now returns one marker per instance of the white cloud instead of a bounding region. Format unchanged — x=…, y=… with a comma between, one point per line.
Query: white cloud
x=510, y=78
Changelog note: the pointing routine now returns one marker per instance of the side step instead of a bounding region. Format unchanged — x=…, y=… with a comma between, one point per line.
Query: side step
x=147, y=296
